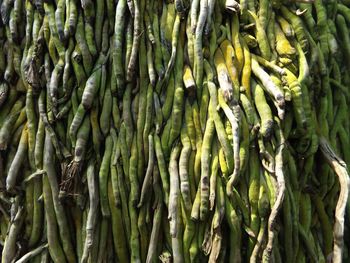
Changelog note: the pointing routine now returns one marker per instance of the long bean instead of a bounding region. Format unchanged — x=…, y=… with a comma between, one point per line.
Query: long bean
x=182, y=131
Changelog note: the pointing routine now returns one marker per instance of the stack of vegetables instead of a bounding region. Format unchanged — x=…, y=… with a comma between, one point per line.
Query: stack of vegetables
x=174, y=131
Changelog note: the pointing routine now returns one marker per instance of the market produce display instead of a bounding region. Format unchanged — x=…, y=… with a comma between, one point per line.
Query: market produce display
x=174, y=131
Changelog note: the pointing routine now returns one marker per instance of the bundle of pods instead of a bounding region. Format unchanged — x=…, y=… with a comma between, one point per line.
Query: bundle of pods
x=174, y=131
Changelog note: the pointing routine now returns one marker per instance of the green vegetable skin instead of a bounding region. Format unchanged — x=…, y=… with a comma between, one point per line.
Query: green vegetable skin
x=180, y=131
